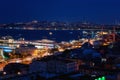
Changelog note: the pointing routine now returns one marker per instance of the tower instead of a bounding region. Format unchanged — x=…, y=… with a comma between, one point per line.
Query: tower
x=1, y=53
x=114, y=31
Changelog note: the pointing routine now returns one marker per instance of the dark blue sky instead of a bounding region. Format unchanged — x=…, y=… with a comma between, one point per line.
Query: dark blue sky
x=99, y=11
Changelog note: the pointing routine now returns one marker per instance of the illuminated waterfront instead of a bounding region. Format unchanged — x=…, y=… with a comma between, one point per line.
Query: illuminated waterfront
x=20, y=48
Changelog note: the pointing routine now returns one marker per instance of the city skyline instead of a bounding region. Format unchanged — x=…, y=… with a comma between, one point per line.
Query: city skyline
x=99, y=11
x=59, y=40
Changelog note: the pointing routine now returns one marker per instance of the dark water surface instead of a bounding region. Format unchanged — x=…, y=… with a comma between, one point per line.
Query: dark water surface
x=57, y=35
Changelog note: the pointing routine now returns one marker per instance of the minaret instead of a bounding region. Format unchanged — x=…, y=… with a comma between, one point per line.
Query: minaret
x=102, y=32
x=114, y=31
x=1, y=53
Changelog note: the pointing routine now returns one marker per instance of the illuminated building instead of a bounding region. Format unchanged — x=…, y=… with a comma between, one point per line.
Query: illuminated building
x=53, y=66
x=48, y=44
x=25, y=49
x=62, y=66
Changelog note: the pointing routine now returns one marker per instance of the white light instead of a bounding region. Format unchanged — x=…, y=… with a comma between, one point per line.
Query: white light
x=4, y=73
x=18, y=73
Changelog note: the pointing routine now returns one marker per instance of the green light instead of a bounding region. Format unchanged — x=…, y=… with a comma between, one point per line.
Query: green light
x=103, y=78
x=99, y=79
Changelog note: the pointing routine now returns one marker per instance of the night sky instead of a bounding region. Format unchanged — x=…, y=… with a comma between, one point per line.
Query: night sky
x=98, y=11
